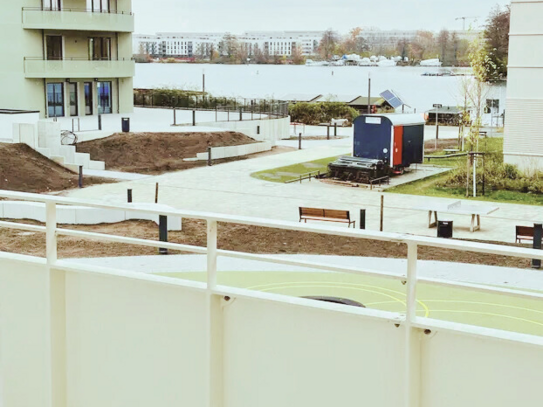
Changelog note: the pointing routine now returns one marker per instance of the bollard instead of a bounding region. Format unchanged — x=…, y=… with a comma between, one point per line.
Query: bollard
x=538, y=233
x=241, y=114
x=174, y=117
x=156, y=193
x=129, y=196
x=335, y=130
x=327, y=132
x=209, y=157
x=80, y=183
x=257, y=129
x=362, y=219
x=382, y=212
x=300, y=141
x=100, y=122
x=194, y=117
x=163, y=232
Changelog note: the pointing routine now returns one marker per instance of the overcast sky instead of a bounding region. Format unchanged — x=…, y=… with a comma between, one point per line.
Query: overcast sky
x=237, y=16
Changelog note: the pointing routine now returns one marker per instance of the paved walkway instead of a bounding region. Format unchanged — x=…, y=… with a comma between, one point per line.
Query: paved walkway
x=122, y=176
x=229, y=188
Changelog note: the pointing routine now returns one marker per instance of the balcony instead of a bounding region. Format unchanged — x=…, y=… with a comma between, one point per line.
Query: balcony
x=78, y=68
x=77, y=19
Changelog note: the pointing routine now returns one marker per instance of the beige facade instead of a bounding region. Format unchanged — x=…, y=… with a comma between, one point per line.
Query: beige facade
x=523, y=144
x=67, y=57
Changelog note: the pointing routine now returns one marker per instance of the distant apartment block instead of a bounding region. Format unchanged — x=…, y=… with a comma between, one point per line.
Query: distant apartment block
x=189, y=45
x=523, y=142
x=67, y=57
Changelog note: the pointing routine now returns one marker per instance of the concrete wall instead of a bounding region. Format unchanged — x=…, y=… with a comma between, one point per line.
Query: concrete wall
x=270, y=130
x=95, y=338
x=8, y=120
x=80, y=215
x=523, y=143
x=236, y=151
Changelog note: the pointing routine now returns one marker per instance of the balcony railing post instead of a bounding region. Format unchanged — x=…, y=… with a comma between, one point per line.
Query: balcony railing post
x=412, y=335
x=211, y=254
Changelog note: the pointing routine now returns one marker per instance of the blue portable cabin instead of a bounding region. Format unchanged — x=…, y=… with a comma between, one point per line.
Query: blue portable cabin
x=395, y=139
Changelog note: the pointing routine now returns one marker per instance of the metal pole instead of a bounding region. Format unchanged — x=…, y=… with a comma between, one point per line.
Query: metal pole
x=100, y=122
x=194, y=117
x=437, y=127
x=327, y=132
x=174, y=117
x=129, y=195
x=156, y=193
x=538, y=233
x=209, y=157
x=335, y=130
x=300, y=141
x=80, y=181
x=203, y=83
x=475, y=176
x=369, y=92
x=382, y=213
x=467, y=177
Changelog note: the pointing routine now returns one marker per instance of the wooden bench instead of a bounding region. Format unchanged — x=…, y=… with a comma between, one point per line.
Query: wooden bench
x=524, y=233
x=329, y=215
x=451, y=151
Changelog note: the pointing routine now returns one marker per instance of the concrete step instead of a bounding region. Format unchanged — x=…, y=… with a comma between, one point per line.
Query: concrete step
x=82, y=159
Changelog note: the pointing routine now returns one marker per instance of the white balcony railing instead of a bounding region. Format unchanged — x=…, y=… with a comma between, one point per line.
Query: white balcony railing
x=78, y=68
x=112, y=335
x=77, y=20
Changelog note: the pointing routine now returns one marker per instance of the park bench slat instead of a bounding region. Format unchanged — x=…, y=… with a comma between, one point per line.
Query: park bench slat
x=329, y=215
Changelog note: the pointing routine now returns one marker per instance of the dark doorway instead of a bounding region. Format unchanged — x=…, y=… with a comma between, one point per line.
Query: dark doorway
x=55, y=99
x=54, y=47
x=88, y=99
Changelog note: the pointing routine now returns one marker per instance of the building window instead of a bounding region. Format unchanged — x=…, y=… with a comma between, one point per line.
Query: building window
x=88, y=99
x=73, y=99
x=100, y=6
x=104, y=98
x=52, y=4
x=100, y=49
x=55, y=100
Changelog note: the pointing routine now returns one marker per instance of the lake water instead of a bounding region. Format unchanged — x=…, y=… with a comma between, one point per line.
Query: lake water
x=259, y=81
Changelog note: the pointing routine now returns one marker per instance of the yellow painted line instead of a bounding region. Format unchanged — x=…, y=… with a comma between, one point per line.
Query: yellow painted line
x=487, y=303
x=329, y=286
x=338, y=285
x=491, y=315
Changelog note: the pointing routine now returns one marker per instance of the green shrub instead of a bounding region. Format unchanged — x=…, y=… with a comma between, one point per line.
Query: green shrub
x=321, y=112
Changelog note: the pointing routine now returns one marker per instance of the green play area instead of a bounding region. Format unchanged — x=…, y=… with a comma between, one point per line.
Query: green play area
x=455, y=305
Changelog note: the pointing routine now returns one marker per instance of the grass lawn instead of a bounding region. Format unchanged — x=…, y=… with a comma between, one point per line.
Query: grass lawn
x=292, y=172
x=456, y=305
x=428, y=186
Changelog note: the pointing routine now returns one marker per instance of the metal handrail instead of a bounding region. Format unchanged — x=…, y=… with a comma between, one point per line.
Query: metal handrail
x=80, y=59
x=410, y=278
x=77, y=10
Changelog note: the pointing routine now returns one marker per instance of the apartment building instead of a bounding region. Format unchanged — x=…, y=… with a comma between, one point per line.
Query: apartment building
x=67, y=57
x=523, y=138
x=188, y=45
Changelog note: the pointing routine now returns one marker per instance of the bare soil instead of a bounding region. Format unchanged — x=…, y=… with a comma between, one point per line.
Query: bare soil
x=24, y=169
x=157, y=153
x=250, y=239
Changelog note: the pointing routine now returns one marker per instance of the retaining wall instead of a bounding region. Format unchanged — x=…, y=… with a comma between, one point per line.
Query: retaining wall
x=270, y=130
x=81, y=215
x=235, y=151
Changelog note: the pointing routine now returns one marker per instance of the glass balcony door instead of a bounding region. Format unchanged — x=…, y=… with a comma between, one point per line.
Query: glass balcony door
x=52, y=4
x=100, y=49
x=104, y=98
x=73, y=99
x=99, y=6
x=53, y=44
x=55, y=99
x=88, y=99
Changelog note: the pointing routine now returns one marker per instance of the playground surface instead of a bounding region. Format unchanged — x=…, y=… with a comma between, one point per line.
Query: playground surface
x=498, y=311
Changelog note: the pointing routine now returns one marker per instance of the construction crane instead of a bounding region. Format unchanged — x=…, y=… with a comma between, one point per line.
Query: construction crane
x=464, y=21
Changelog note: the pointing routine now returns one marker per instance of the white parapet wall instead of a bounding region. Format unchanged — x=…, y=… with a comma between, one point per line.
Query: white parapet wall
x=82, y=215
x=236, y=151
x=9, y=117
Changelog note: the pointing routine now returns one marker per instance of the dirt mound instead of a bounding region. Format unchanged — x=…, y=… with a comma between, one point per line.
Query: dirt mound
x=24, y=169
x=156, y=152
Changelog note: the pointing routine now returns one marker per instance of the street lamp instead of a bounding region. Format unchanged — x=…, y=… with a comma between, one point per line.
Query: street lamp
x=437, y=107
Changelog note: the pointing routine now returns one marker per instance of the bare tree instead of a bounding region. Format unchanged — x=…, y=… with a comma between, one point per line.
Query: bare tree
x=328, y=44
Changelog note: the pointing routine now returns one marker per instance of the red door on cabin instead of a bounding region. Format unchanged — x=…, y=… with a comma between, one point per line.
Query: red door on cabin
x=398, y=146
